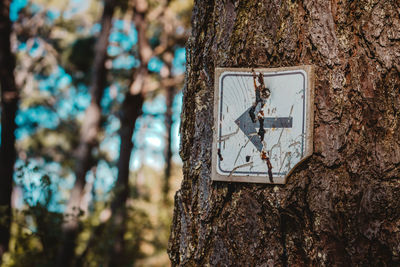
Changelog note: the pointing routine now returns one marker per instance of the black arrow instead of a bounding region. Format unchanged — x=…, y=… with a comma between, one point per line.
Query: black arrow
x=248, y=125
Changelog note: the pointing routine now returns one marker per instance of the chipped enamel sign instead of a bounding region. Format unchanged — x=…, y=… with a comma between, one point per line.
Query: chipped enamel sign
x=263, y=123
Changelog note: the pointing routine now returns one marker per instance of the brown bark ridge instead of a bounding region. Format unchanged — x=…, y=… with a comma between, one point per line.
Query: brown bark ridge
x=339, y=208
x=130, y=111
x=9, y=106
x=88, y=138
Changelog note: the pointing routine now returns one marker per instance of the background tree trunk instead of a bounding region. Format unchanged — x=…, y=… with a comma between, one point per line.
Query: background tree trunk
x=169, y=100
x=88, y=138
x=131, y=110
x=132, y=107
x=9, y=106
x=341, y=207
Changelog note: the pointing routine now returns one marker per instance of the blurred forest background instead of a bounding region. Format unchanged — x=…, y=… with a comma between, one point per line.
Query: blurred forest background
x=95, y=94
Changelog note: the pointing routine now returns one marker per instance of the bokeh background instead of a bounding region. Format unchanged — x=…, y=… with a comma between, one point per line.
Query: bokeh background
x=56, y=45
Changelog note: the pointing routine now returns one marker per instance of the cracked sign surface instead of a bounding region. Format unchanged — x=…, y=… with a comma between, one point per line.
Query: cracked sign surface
x=263, y=123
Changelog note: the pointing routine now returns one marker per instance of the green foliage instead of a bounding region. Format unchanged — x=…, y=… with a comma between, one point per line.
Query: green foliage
x=147, y=225
x=35, y=229
x=53, y=145
x=54, y=64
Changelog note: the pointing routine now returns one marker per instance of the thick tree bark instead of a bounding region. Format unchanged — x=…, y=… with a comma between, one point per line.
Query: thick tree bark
x=9, y=105
x=340, y=207
x=88, y=136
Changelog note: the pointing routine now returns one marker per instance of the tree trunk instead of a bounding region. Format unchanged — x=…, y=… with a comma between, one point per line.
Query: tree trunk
x=88, y=136
x=9, y=105
x=339, y=208
x=169, y=99
x=131, y=109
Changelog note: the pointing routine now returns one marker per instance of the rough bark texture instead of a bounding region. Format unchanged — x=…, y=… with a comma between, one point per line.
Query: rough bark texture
x=9, y=105
x=88, y=138
x=341, y=207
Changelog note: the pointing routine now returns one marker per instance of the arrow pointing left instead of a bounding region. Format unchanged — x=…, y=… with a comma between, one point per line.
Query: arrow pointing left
x=249, y=127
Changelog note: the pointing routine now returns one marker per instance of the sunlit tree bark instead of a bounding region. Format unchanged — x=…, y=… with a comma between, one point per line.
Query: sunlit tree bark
x=9, y=106
x=339, y=208
x=88, y=138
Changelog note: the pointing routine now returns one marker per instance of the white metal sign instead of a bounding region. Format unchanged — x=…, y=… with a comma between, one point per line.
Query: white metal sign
x=263, y=123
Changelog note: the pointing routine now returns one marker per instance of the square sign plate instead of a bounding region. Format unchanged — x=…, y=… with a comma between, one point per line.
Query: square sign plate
x=263, y=123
